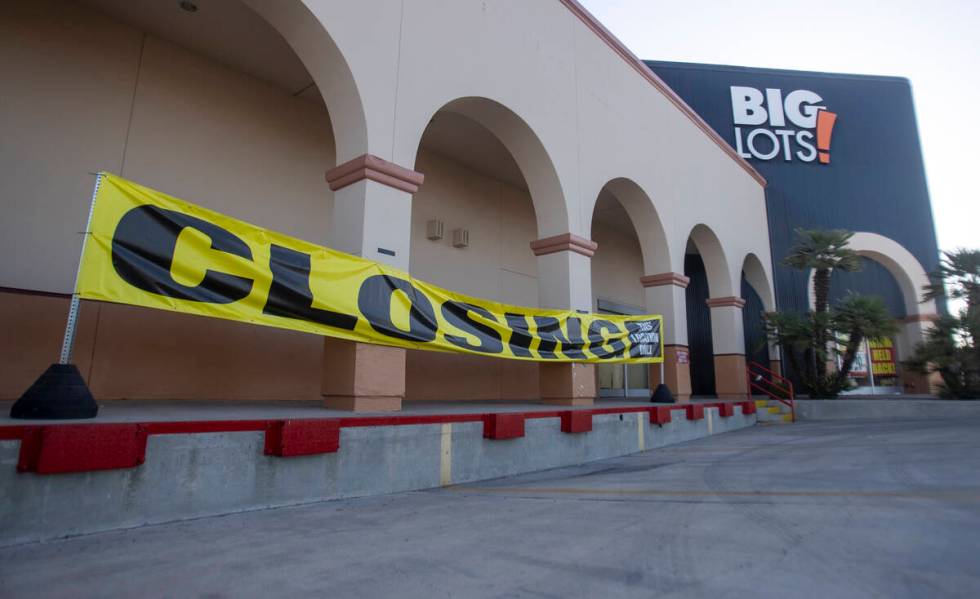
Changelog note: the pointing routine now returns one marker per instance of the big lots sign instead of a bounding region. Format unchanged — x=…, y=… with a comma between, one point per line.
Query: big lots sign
x=771, y=124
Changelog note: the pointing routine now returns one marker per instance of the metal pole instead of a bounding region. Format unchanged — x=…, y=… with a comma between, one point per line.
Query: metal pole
x=871, y=366
x=69, y=341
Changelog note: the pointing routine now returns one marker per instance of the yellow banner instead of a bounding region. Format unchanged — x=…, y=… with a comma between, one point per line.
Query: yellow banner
x=149, y=249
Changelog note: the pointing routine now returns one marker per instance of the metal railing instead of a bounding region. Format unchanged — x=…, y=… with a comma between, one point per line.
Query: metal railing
x=771, y=384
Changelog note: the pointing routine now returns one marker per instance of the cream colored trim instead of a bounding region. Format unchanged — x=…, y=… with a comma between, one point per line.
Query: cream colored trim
x=446, y=454
x=631, y=59
x=640, y=439
x=903, y=266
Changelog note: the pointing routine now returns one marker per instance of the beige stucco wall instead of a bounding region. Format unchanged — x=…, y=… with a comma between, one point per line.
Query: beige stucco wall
x=617, y=267
x=596, y=118
x=84, y=93
x=173, y=120
x=497, y=265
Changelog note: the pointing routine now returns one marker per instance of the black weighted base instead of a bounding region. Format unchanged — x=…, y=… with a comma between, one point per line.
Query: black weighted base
x=662, y=394
x=58, y=394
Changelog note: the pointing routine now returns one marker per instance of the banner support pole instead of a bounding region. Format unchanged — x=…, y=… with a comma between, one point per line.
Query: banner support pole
x=60, y=392
x=68, y=343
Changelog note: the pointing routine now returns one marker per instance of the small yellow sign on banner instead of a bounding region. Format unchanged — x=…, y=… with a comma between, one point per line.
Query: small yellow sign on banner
x=148, y=249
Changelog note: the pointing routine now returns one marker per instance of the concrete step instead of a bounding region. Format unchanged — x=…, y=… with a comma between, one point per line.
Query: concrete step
x=769, y=417
x=773, y=419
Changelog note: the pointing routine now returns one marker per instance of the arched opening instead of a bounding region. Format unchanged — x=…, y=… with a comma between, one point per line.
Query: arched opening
x=758, y=295
x=212, y=105
x=707, y=268
x=624, y=256
x=488, y=186
x=892, y=273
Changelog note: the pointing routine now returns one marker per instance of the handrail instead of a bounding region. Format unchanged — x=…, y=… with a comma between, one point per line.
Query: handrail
x=785, y=385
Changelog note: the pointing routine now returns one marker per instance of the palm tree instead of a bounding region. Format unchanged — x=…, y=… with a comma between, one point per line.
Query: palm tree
x=824, y=251
x=952, y=346
x=860, y=317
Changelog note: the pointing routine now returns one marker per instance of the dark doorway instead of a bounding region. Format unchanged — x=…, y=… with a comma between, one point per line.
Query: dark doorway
x=699, y=327
x=756, y=348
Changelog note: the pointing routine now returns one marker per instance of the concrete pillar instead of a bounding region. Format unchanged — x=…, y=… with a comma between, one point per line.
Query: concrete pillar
x=912, y=331
x=361, y=377
x=565, y=282
x=728, y=339
x=776, y=366
x=665, y=295
x=775, y=359
x=371, y=218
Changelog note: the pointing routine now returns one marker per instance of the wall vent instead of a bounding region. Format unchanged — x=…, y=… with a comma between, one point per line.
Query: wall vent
x=434, y=229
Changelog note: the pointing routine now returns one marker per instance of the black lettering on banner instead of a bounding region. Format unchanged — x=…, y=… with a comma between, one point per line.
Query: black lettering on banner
x=550, y=333
x=520, y=339
x=457, y=313
x=290, y=295
x=143, y=247
x=374, y=302
x=598, y=342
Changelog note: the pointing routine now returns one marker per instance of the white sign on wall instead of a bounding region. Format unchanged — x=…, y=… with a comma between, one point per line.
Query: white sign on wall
x=770, y=124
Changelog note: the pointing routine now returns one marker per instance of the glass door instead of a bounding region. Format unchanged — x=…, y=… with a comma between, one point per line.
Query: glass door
x=622, y=381
x=875, y=371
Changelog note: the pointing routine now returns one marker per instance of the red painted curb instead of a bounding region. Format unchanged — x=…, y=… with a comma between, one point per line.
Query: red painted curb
x=81, y=448
x=287, y=438
x=503, y=426
x=47, y=449
x=660, y=415
x=576, y=421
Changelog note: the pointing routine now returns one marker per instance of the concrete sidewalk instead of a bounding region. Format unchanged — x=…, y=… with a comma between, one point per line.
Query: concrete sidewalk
x=895, y=408
x=837, y=509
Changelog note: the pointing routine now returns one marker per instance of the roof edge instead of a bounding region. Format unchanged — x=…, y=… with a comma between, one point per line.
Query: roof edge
x=632, y=60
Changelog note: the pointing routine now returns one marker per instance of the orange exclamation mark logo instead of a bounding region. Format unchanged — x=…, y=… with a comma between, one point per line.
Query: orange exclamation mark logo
x=825, y=127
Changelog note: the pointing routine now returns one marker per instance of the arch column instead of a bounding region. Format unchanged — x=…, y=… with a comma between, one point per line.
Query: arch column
x=913, y=330
x=775, y=358
x=728, y=338
x=371, y=218
x=565, y=282
x=665, y=295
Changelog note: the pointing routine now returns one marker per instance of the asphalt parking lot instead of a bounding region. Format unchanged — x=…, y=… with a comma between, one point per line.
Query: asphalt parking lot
x=832, y=509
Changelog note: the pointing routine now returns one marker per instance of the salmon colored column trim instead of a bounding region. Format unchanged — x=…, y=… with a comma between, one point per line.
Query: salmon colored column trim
x=566, y=242
x=369, y=166
x=665, y=278
x=919, y=318
x=730, y=376
x=723, y=302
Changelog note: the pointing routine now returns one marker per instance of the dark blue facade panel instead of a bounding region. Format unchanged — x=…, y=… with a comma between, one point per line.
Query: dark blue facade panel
x=872, y=181
x=756, y=346
x=872, y=279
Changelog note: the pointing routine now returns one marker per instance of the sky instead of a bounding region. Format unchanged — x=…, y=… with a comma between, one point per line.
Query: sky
x=935, y=44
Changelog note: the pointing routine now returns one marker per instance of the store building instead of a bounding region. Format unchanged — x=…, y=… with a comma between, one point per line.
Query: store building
x=581, y=179
x=576, y=177
x=838, y=152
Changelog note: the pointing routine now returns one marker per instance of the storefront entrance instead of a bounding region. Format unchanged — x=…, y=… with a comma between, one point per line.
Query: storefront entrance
x=621, y=381
x=875, y=370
